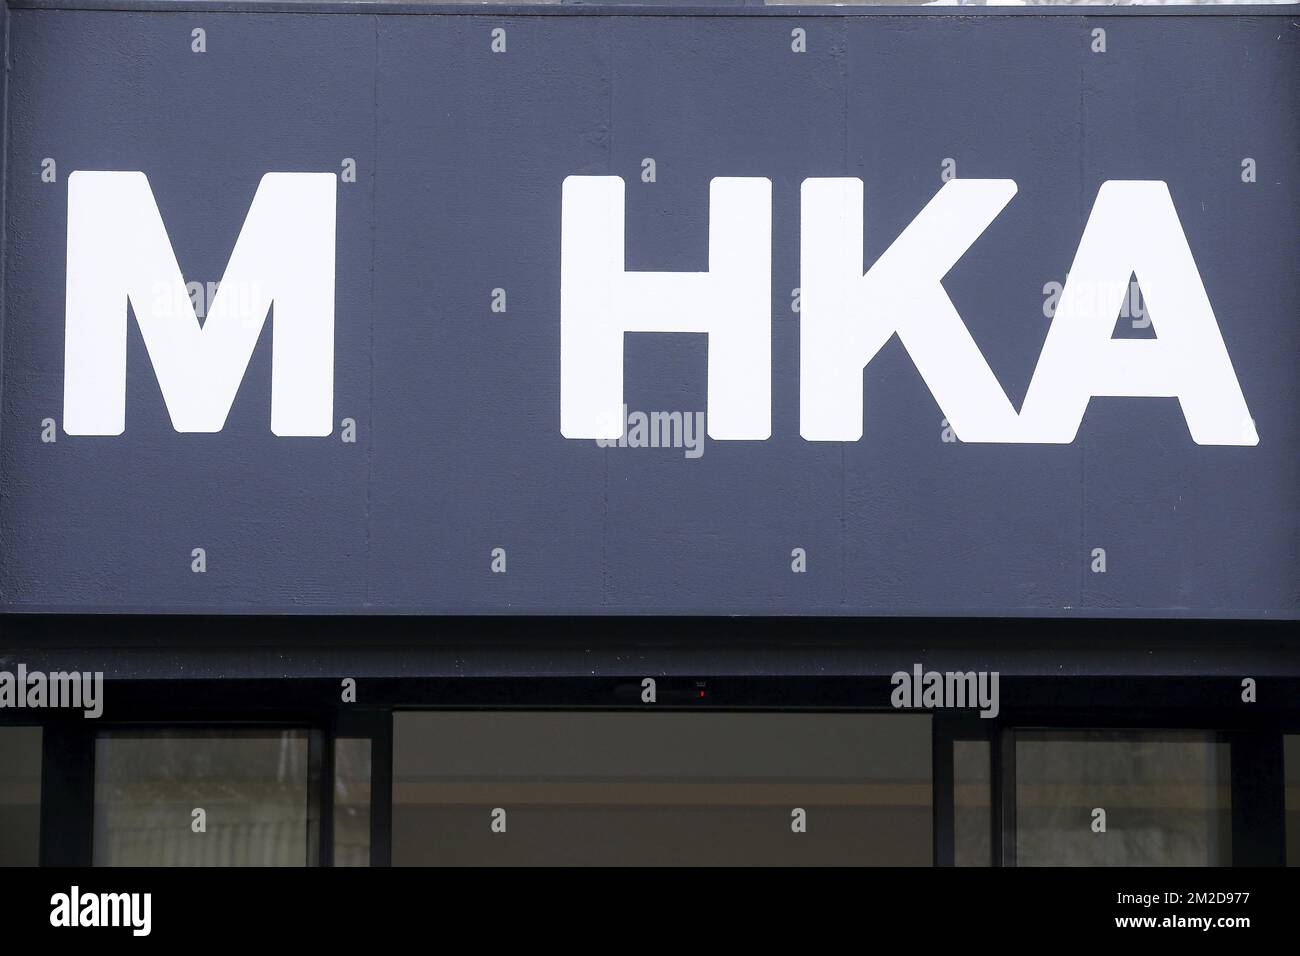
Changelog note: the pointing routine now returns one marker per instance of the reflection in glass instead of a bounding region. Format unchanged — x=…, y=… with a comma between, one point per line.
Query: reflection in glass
x=661, y=789
x=1166, y=797
x=352, y=801
x=252, y=787
x=972, y=782
x=20, y=796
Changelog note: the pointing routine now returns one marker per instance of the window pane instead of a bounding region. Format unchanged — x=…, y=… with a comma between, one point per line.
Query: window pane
x=1291, y=757
x=352, y=801
x=657, y=789
x=972, y=782
x=20, y=796
x=1166, y=797
x=251, y=785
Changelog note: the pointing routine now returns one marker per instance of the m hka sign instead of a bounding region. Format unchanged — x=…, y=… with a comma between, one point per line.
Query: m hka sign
x=118, y=249
x=847, y=317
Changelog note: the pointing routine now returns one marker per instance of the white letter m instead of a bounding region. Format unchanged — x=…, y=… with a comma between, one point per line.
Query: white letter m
x=119, y=251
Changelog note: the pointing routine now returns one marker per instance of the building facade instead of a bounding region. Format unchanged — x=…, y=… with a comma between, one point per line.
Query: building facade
x=616, y=435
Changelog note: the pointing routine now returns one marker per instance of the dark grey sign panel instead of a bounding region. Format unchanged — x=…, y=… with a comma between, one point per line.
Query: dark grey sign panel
x=444, y=142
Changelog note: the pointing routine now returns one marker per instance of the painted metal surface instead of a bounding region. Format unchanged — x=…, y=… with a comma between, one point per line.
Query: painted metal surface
x=461, y=154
